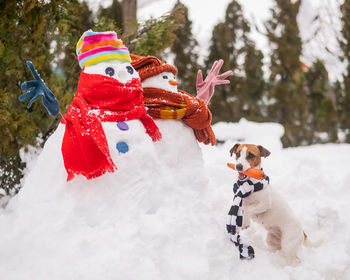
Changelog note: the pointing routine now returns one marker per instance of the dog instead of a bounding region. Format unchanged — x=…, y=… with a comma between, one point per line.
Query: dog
x=269, y=209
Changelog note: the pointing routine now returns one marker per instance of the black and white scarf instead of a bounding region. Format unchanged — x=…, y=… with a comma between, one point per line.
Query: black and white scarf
x=242, y=189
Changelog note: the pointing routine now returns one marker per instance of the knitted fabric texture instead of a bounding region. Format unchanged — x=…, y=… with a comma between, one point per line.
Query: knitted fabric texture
x=95, y=47
x=149, y=66
x=99, y=99
x=242, y=189
x=162, y=104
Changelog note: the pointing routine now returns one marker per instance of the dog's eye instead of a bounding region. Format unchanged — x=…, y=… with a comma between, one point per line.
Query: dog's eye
x=250, y=156
x=238, y=154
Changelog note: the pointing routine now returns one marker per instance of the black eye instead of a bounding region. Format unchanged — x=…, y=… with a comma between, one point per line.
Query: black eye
x=109, y=71
x=250, y=156
x=130, y=70
x=165, y=77
x=238, y=154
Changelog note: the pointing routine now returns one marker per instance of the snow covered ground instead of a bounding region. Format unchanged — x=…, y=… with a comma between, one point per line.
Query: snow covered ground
x=314, y=180
x=103, y=230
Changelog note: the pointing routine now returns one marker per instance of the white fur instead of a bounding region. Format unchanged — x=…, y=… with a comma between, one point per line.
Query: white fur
x=243, y=159
x=267, y=208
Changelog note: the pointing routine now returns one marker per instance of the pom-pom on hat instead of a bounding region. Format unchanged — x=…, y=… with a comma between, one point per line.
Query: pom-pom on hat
x=95, y=47
x=149, y=66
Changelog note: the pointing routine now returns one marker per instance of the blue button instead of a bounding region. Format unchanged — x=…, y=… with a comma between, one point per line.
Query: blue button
x=122, y=147
x=122, y=126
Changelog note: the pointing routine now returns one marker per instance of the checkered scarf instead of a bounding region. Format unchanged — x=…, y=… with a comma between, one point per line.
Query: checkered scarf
x=242, y=189
x=163, y=104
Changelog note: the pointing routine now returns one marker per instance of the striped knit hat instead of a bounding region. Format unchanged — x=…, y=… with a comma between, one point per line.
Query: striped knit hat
x=149, y=66
x=94, y=47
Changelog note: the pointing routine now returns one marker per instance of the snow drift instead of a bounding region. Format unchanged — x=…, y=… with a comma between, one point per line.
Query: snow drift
x=150, y=220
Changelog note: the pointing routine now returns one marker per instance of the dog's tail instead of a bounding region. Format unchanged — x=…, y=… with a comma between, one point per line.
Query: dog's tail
x=310, y=244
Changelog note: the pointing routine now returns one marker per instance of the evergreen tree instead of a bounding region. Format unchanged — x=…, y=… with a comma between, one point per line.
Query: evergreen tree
x=78, y=19
x=154, y=35
x=290, y=106
x=323, y=111
x=345, y=46
x=338, y=89
x=27, y=30
x=226, y=43
x=113, y=12
x=186, y=55
x=253, y=105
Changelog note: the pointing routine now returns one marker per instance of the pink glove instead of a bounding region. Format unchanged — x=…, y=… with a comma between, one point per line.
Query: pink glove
x=205, y=89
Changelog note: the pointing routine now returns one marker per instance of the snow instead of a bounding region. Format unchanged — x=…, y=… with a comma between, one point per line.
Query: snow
x=152, y=221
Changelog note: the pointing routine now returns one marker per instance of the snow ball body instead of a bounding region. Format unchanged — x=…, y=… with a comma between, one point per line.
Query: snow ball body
x=127, y=140
x=131, y=148
x=178, y=143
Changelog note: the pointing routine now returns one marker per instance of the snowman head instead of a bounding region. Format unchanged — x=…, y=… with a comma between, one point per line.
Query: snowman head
x=155, y=73
x=104, y=54
x=121, y=71
x=164, y=80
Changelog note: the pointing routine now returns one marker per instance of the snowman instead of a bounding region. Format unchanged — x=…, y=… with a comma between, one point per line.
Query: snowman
x=106, y=136
x=107, y=120
x=184, y=120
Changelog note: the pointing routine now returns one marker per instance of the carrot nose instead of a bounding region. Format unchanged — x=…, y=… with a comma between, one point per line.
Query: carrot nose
x=173, y=83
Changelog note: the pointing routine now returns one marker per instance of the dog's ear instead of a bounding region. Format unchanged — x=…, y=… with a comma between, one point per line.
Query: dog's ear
x=234, y=149
x=263, y=152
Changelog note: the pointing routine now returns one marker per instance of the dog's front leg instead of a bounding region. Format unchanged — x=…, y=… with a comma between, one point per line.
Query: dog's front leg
x=262, y=203
x=261, y=207
x=246, y=220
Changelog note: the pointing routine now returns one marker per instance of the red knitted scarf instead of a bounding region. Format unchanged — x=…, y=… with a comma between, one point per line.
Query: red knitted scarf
x=100, y=99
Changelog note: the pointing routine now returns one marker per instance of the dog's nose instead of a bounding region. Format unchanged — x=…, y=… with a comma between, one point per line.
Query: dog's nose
x=239, y=167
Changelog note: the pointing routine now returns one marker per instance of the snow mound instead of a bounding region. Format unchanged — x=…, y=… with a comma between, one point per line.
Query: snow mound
x=267, y=134
x=153, y=221
x=146, y=219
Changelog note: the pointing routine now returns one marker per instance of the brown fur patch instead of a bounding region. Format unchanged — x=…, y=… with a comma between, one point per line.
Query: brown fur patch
x=253, y=149
x=234, y=149
x=263, y=152
x=256, y=160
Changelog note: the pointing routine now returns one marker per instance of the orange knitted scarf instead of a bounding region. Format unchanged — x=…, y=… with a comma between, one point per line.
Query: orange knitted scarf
x=162, y=104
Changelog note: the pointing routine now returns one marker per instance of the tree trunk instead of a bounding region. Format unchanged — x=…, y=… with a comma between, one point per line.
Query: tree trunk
x=129, y=16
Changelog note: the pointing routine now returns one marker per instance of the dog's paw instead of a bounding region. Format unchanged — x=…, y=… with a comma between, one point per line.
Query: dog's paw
x=246, y=224
x=247, y=253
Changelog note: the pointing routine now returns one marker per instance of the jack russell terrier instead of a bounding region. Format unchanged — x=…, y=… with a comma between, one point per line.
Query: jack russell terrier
x=265, y=206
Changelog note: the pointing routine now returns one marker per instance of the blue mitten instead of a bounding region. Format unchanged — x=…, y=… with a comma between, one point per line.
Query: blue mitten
x=37, y=88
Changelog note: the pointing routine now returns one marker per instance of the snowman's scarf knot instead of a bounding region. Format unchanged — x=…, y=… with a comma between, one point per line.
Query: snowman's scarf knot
x=242, y=189
x=163, y=104
x=100, y=99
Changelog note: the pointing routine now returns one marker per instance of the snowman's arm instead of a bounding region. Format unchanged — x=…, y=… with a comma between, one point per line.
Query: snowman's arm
x=205, y=89
x=37, y=88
